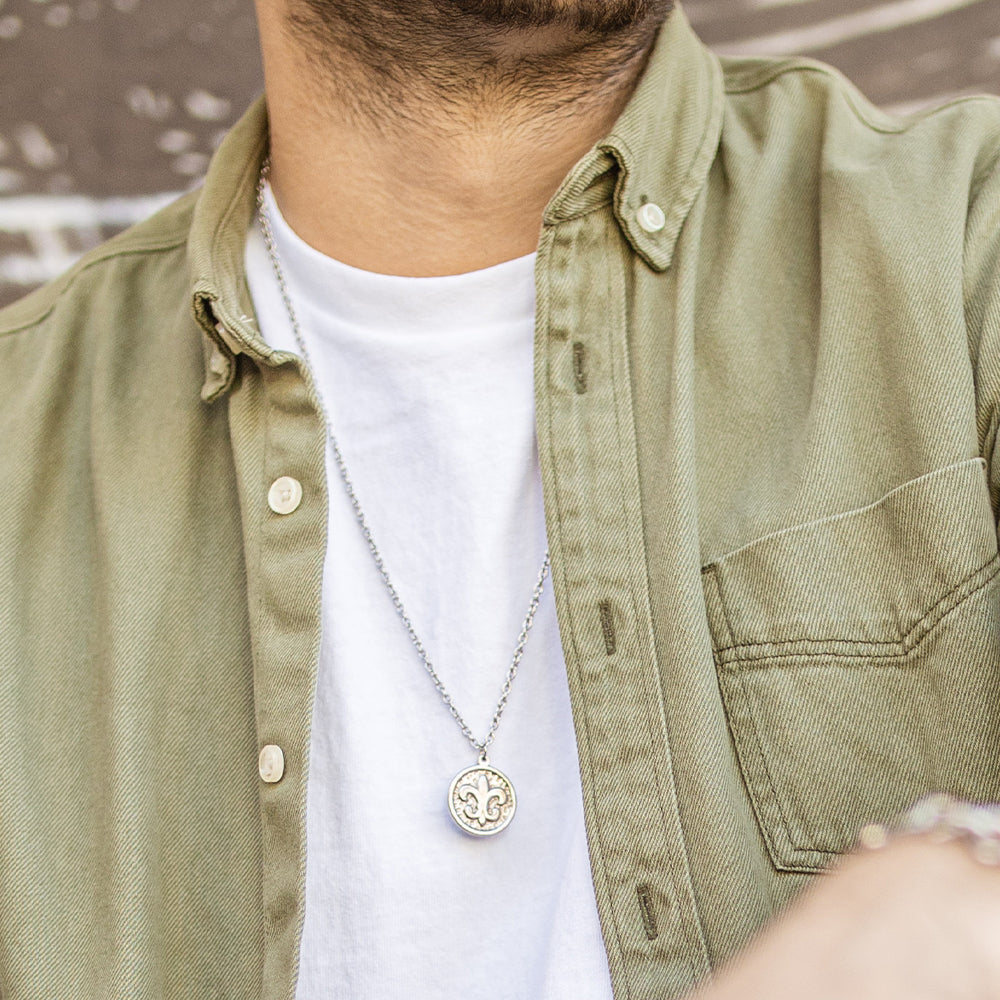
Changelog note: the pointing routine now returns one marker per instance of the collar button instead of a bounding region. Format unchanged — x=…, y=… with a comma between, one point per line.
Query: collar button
x=651, y=217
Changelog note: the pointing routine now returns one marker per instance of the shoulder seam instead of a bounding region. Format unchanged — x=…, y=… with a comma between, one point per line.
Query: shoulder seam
x=768, y=71
x=66, y=281
x=890, y=126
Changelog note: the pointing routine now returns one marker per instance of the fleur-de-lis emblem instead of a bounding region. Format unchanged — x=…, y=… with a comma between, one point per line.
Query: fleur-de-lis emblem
x=481, y=799
x=481, y=803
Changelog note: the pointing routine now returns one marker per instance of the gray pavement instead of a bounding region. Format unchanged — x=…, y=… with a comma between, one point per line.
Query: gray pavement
x=111, y=106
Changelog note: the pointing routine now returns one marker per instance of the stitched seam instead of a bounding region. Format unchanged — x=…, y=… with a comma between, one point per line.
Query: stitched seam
x=992, y=430
x=741, y=677
x=69, y=279
x=894, y=643
x=982, y=392
x=946, y=605
x=723, y=604
x=630, y=590
x=746, y=81
x=766, y=769
x=712, y=576
x=847, y=92
x=904, y=124
x=806, y=864
x=854, y=512
x=902, y=647
x=658, y=698
x=574, y=632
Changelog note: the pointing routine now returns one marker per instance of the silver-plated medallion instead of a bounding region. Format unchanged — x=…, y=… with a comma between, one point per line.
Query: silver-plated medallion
x=481, y=800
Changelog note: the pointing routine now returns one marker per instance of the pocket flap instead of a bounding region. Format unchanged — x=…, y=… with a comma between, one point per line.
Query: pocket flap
x=869, y=576
x=858, y=659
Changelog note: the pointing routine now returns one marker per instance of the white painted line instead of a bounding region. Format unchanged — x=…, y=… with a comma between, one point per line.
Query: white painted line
x=825, y=34
x=770, y=4
x=45, y=222
x=20, y=269
x=31, y=213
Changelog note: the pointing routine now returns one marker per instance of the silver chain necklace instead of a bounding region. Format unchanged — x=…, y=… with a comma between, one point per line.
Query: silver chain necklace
x=481, y=798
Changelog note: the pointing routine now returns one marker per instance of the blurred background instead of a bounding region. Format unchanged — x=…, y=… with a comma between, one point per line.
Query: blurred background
x=111, y=107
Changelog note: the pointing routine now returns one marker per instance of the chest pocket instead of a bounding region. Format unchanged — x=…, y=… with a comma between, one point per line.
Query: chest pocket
x=859, y=662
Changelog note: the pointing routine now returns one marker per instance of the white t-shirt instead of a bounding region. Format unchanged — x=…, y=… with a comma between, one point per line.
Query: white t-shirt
x=428, y=382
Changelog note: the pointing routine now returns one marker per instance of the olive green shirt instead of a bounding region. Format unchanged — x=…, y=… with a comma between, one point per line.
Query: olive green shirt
x=767, y=433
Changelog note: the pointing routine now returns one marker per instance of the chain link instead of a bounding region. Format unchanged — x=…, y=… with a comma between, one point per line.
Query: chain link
x=480, y=746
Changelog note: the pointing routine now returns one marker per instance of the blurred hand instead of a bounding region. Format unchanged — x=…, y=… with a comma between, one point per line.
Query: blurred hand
x=914, y=921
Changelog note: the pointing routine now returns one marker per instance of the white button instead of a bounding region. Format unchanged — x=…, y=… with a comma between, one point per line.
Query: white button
x=271, y=764
x=651, y=217
x=285, y=495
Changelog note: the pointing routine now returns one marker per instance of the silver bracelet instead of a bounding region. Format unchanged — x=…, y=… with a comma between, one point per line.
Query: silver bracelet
x=943, y=818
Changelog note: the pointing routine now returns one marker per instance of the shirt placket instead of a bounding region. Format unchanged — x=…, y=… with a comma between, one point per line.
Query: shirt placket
x=278, y=439
x=590, y=474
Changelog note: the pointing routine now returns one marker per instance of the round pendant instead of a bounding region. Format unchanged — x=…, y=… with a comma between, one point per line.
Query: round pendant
x=481, y=800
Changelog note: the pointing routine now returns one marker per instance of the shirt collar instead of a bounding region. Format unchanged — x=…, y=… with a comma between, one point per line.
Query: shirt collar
x=659, y=151
x=222, y=217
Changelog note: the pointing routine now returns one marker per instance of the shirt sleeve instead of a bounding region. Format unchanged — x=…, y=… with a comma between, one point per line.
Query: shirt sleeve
x=982, y=309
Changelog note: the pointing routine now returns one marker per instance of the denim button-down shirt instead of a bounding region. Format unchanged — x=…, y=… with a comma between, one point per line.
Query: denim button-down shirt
x=767, y=375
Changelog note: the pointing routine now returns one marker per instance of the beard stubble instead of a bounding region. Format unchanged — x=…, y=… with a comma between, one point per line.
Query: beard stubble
x=462, y=51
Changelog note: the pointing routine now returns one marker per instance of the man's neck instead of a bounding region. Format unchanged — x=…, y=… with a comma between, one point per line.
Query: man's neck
x=415, y=177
